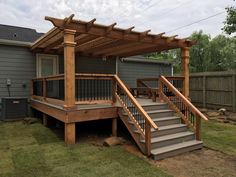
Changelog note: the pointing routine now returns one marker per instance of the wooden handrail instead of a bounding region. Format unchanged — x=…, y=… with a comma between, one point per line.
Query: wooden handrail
x=148, y=79
x=135, y=102
x=49, y=77
x=184, y=99
x=94, y=75
x=61, y=76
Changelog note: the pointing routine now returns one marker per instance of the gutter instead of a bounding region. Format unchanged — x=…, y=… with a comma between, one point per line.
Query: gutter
x=15, y=43
x=139, y=60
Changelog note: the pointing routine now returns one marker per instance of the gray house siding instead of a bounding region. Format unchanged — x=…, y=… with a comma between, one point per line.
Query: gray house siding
x=90, y=65
x=17, y=64
x=129, y=70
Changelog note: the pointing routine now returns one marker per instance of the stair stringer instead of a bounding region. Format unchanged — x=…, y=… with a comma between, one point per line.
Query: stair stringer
x=136, y=136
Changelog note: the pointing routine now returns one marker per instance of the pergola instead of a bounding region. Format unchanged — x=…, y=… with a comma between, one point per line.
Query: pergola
x=71, y=36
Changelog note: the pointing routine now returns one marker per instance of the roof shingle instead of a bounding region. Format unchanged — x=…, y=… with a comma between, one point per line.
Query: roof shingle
x=16, y=33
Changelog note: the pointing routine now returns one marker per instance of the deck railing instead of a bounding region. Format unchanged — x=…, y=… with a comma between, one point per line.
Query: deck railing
x=94, y=88
x=186, y=110
x=150, y=86
x=89, y=88
x=135, y=112
x=50, y=88
x=153, y=82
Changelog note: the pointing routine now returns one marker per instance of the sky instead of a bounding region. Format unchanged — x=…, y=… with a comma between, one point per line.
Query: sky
x=157, y=15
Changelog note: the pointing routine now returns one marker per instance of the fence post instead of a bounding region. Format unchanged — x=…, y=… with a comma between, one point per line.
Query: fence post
x=234, y=92
x=204, y=90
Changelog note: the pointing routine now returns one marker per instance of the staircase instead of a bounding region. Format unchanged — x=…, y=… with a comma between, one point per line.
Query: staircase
x=163, y=128
x=171, y=139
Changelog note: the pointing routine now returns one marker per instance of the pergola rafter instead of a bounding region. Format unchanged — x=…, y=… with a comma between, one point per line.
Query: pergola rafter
x=100, y=40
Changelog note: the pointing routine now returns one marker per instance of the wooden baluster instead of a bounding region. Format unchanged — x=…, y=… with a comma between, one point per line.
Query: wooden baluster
x=148, y=138
x=114, y=90
x=105, y=89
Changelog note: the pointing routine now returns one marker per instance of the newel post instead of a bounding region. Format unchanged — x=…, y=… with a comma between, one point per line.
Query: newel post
x=147, y=138
x=69, y=67
x=160, y=90
x=185, y=70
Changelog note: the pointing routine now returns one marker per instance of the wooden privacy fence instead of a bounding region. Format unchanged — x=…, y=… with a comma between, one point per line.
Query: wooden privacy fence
x=214, y=90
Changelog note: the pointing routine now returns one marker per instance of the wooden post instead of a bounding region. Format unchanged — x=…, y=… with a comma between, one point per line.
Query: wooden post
x=204, y=91
x=160, y=89
x=198, y=128
x=44, y=89
x=45, y=119
x=234, y=92
x=70, y=133
x=69, y=67
x=147, y=138
x=114, y=127
x=32, y=89
x=185, y=70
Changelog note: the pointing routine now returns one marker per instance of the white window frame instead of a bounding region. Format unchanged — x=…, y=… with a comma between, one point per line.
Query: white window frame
x=55, y=59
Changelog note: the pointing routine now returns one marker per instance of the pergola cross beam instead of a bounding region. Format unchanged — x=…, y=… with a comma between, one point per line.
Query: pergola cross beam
x=90, y=36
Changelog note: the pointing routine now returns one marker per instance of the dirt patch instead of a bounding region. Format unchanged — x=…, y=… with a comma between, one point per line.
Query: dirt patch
x=221, y=115
x=200, y=163
x=133, y=150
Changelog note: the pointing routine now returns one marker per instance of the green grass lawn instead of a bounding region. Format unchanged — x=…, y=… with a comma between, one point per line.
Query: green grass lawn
x=36, y=151
x=219, y=136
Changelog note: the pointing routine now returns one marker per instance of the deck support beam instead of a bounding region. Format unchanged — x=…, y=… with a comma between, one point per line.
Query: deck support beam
x=185, y=70
x=70, y=133
x=45, y=119
x=69, y=67
x=114, y=127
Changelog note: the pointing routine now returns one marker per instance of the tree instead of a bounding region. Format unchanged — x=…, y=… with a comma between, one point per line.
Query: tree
x=172, y=56
x=222, y=53
x=217, y=54
x=230, y=22
x=199, y=53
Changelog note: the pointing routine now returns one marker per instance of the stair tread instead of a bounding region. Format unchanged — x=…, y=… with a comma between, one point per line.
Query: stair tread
x=174, y=147
x=170, y=136
x=153, y=111
x=152, y=104
x=165, y=118
x=169, y=127
x=160, y=110
x=160, y=119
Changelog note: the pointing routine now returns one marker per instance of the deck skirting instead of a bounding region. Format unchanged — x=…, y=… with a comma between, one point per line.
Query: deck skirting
x=77, y=114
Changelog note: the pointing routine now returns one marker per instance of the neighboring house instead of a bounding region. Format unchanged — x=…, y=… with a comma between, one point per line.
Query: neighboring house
x=82, y=71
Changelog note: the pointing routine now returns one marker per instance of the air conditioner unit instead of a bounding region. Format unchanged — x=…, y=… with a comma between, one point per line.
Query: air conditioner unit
x=14, y=108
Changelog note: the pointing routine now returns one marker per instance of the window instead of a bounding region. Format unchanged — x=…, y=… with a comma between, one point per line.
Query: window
x=46, y=65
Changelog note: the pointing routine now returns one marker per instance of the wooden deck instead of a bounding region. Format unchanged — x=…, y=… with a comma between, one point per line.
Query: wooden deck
x=79, y=113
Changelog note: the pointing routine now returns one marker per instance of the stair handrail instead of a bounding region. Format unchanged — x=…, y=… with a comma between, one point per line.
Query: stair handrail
x=177, y=92
x=136, y=103
x=145, y=128
x=193, y=110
